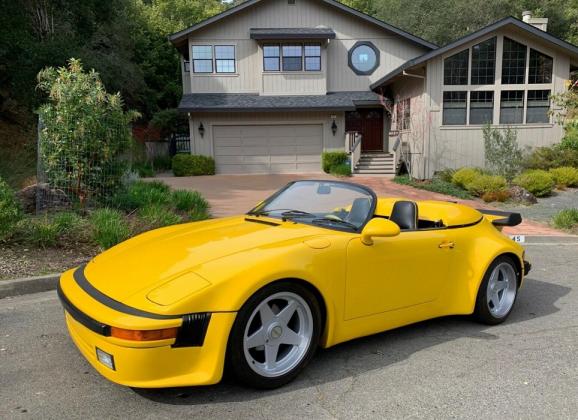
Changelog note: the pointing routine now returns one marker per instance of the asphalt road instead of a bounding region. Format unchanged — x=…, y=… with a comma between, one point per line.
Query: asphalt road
x=445, y=368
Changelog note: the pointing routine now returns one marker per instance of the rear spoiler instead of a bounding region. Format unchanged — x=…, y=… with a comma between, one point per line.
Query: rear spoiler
x=504, y=218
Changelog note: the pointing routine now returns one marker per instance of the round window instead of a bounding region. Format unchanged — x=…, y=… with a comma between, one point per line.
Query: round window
x=363, y=58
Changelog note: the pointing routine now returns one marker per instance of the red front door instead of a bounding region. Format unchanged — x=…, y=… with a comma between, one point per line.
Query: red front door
x=368, y=122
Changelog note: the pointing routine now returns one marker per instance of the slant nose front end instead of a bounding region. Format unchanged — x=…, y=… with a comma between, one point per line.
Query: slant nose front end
x=143, y=349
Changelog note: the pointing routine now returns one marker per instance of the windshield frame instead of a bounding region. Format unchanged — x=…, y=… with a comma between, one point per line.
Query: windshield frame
x=349, y=185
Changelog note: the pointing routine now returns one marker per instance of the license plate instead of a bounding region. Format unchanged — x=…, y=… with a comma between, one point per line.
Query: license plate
x=518, y=238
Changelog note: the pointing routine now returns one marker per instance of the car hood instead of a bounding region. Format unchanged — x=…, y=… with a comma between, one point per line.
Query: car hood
x=161, y=263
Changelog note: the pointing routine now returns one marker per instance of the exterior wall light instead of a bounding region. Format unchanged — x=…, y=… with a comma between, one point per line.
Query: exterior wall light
x=333, y=125
x=201, y=129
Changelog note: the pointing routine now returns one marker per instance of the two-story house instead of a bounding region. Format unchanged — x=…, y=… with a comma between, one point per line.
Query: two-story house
x=271, y=84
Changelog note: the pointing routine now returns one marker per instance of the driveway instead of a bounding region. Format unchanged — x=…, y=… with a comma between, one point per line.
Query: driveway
x=235, y=194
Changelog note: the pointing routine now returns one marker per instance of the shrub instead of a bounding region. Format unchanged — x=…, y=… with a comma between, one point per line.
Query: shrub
x=565, y=176
x=483, y=184
x=551, y=157
x=343, y=169
x=189, y=200
x=437, y=185
x=142, y=193
x=41, y=232
x=445, y=175
x=502, y=153
x=500, y=196
x=109, y=227
x=143, y=169
x=155, y=216
x=187, y=165
x=162, y=163
x=10, y=212
x=66, y=221
x=566, y=219
x=538, y=182
x=462, y=177
x=331, y=159
x=198, y=214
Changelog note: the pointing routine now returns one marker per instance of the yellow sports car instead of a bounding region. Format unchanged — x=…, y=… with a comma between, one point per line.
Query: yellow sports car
x=316, y=264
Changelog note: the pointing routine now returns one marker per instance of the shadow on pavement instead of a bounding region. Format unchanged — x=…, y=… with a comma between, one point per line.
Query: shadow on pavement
x=536, y=299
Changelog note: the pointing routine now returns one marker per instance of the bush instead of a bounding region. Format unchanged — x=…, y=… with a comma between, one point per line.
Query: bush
x=566, y=219
x=502, y=153
x=483, y=184
x=189, y=200
x=10, y=212
x=565, y=176
x=187, y=165
x=445, y=175
x=331, y=159
x=538, y=182
x=142, y=193
x=109, y=227
x=143, y=169
x=547, y=158
x=462, y=177
x=41, y=232
x=500, y=196
x=162, y=163
x=437, y=185
x=342, y=169
x=156, y=216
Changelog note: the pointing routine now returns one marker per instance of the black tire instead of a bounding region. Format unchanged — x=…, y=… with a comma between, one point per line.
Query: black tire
x=238, y=364
x=482, y=311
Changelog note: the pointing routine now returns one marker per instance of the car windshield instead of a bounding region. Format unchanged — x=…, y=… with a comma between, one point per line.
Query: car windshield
x=331, y=204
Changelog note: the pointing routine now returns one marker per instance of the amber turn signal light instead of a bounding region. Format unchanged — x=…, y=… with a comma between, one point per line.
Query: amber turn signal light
x=144, y=335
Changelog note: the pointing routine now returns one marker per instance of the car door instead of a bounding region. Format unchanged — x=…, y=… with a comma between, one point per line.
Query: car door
x=397, y=272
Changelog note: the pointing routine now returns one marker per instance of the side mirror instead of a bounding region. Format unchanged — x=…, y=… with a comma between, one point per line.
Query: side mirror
x=378, y=228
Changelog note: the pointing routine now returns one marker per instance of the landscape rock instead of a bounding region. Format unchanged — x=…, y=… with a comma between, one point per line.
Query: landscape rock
x=42, y=197
x=521, y=195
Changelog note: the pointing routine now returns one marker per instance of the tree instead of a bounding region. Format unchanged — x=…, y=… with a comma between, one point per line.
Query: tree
x=85, y=132
x=502, y=153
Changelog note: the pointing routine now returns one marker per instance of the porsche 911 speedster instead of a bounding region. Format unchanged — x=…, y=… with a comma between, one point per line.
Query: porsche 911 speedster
x=316, y=264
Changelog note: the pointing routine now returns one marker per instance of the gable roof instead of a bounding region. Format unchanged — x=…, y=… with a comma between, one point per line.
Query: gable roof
x=570, y=48
x=178, y=37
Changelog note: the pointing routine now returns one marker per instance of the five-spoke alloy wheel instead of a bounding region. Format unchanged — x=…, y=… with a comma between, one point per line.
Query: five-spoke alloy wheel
x=275, y=335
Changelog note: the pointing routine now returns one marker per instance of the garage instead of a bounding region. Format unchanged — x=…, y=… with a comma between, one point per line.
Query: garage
x=267, y=148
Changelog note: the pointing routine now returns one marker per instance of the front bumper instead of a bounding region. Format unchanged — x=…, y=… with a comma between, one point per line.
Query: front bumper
x=527, y=267
x=147, y=364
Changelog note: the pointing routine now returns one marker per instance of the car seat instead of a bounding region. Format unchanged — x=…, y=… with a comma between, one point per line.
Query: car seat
x=404, y=214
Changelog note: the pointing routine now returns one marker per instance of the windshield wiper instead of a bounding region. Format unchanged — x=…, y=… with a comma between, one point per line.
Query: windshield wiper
x=326, y=220
x=287, y=213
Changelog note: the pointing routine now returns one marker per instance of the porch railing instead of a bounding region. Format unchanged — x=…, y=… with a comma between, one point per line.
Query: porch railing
x=353, y=147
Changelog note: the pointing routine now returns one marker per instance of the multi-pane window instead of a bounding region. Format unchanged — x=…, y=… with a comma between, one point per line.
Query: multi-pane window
x=481, y=107
x=271, y=58
x=454, y=110
x=225, y=58
x=404, y=114
x=511, y=107
x=202, y=59
x=456, y=68
x=513, y=62
x=538, y=106
x=540, y=68
x=292, y=57
x=312, y=57
x=484, y=62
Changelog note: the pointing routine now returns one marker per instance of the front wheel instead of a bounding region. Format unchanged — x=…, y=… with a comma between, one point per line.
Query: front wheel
x=497, y=292
x=275, y=335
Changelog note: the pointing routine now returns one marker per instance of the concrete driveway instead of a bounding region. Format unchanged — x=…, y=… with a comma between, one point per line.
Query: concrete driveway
x=236, y=194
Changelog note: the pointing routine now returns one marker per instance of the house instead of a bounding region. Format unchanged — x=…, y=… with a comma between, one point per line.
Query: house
x=271, y=84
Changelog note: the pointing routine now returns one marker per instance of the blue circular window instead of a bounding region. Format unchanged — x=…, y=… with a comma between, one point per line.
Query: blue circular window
x=363, y=58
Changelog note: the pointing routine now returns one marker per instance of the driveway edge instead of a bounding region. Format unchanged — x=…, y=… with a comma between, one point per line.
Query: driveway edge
x=17, y=287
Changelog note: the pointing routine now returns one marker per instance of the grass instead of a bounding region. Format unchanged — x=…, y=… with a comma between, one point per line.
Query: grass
x=566, y=219
x=109, y=227
x=436, y=184
x=156, y=216
x=141, y=194
x=189, y=201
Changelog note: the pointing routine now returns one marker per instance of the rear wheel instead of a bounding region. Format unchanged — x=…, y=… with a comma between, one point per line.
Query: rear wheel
x=498, y=292
x=275, y=335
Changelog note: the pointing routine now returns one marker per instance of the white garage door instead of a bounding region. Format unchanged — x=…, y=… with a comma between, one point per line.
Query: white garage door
x=268, y=148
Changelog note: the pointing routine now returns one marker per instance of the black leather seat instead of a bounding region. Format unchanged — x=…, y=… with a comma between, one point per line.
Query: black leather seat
x=359, y=211
x=404, y=214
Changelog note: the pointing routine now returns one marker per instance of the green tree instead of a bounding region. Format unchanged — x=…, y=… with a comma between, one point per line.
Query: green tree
x=502, y=153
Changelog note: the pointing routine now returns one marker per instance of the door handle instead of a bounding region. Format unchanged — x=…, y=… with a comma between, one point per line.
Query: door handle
x=449, y=245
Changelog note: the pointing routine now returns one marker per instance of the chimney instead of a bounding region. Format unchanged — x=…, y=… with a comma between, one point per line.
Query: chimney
x=540, y=23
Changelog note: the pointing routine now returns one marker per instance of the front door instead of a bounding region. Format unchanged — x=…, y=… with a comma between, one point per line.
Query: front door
x=395, y=273
x=368, y=122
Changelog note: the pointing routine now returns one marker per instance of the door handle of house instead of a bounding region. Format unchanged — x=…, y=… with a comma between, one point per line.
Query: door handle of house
x=449, y=245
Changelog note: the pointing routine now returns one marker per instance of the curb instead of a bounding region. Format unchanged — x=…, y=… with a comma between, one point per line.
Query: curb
x=17, y=287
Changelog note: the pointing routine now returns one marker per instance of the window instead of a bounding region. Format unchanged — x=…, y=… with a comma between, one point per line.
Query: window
x=292, y=57
x=484, y=62
x=538, y=106
x=404, y=114
x=225, y=58
x=363, y=58
x=454, y=111
x=271, y=58
x=540, y=68
x=202, y=59
x=312, y=57
x=512, y=107
x=456, y=69
x=482, y=107
x=513, y=62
